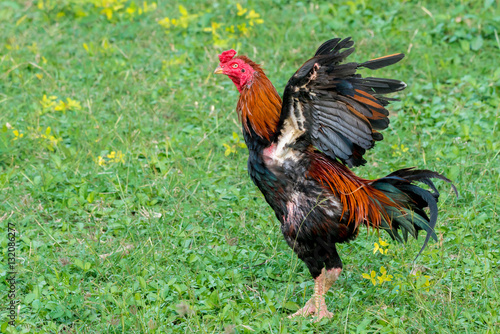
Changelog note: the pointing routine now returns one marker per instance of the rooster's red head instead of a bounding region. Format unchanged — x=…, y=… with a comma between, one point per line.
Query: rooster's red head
x=239, y=69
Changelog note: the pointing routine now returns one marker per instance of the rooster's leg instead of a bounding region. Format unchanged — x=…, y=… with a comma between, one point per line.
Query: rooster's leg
x=317, y=305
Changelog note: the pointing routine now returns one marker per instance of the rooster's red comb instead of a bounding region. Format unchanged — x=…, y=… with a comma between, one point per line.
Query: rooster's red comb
x=227, y=56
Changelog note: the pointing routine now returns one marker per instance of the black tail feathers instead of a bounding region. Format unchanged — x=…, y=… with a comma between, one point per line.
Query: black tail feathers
x=400, y=187
x=382, y=61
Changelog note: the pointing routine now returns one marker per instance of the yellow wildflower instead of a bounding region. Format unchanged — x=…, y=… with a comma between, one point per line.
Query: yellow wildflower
x=73, y=104
x=229, y=149
x=384, y=277
x=61, y=106
x=105, y=44
x=116, y=157
x=149, y=8
x=130, y=11
x=183, y=10
x=427, y=284
x=48, y=102
x=399, y=149
x=119, y=157
x=47, y=132
x=185, y=18
x=379, y=247
x=108, y=12
x=241, y=10
x=213, y=28
x=53, y=140
x=371, y=277
x=253, y=15
x=422, y=280
x=254, y=18
x=68, y=105
x=182, y=21
x=101, y=161
x=165, y=23
x=17, y=134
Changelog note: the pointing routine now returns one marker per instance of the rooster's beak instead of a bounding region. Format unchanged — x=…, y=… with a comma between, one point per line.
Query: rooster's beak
x=218, y=70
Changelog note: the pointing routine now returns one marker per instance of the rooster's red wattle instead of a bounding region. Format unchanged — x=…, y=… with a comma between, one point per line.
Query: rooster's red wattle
x=300, y=147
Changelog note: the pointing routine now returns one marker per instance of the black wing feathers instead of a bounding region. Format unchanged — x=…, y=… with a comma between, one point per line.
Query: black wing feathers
x=333, y=46
x=343, y=109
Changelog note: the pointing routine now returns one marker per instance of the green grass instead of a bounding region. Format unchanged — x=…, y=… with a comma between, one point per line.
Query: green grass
x=175, y=238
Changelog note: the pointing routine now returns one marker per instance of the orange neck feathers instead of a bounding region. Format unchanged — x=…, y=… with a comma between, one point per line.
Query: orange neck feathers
x=362, y=202
x=259, y=105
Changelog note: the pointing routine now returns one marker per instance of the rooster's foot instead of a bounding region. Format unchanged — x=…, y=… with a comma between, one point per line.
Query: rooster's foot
x=311, y=309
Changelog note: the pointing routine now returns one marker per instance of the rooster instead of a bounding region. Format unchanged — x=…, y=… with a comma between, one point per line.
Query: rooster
x=302, y=146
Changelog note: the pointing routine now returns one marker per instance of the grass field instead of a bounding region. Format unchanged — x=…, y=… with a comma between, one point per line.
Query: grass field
x=123, y=173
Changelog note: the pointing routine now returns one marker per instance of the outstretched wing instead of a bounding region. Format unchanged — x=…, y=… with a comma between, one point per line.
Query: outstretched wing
x=335, y=109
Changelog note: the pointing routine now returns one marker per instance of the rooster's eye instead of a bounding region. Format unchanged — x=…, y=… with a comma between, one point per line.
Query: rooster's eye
x=235, y=66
